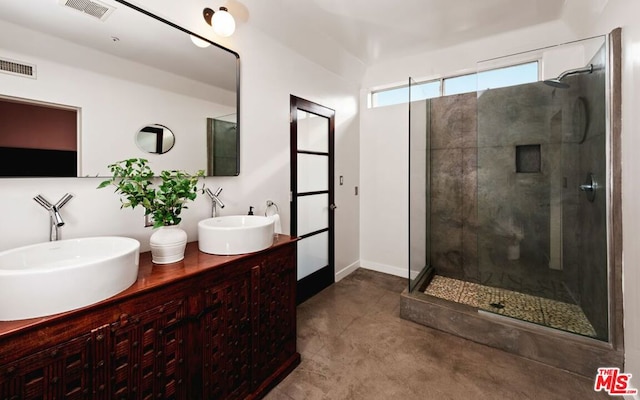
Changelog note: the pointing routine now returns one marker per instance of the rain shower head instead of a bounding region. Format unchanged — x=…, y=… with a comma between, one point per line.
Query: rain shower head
x=557, y=82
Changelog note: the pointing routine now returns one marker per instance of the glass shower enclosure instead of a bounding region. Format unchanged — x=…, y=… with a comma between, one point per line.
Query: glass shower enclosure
x=509, y=188
x=419, y=182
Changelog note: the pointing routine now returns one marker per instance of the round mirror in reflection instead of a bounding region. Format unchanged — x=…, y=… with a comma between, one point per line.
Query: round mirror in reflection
x=155, y=139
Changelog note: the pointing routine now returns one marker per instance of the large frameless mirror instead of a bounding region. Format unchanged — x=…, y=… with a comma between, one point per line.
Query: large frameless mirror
x=110, y=71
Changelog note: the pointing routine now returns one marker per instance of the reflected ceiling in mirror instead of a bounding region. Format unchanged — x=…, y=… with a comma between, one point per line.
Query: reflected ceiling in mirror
x=121, y=72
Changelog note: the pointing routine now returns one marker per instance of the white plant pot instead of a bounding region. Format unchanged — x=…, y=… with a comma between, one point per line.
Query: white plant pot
x=168, y=244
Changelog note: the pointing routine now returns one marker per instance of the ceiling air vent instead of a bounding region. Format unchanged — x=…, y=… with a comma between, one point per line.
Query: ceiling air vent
x=13, y=67
x=89, y=7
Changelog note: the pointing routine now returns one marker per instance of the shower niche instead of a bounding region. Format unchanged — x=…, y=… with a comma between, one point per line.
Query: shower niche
x=528, y=158
x=502, y=235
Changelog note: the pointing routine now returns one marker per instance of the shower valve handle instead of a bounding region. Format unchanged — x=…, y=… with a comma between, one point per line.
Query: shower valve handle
x=589, y=187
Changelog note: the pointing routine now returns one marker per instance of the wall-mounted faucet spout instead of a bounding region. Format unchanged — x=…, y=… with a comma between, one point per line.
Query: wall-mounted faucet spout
x=55, y=219
x=215, y=200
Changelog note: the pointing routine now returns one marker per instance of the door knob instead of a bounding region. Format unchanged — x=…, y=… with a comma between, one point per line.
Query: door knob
x=333, y=206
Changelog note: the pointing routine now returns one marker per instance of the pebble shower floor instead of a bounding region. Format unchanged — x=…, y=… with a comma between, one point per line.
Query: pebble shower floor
x=539, y=310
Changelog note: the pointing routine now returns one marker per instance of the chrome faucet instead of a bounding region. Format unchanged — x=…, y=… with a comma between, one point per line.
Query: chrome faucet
x=215, y=201
x=55, y=219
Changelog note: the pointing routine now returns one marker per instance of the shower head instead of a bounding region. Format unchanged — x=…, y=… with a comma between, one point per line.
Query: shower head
x=557, y=82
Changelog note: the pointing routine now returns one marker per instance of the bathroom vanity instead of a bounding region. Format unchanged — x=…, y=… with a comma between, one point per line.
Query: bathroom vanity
x=208, y=327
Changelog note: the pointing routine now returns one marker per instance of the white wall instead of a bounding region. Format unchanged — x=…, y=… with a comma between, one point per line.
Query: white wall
x=269, y=74
x=384, y=175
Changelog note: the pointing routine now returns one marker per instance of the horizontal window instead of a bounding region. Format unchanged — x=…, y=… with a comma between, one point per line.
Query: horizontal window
x=390, y=97
x=425, y=90
x=508, y=76
x=490, y=79
x=399, y=95
x=460, y=84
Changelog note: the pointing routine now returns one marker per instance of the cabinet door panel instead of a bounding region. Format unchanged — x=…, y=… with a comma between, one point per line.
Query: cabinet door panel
x=226, y=335
x=146, y=358
x=61, y=371
x=277, y=313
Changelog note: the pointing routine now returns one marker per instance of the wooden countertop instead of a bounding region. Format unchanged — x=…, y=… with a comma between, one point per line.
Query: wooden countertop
x=150, y=276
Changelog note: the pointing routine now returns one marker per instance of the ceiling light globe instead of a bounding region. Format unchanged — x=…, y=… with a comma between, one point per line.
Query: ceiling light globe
x=223, y=23
x=199, y=42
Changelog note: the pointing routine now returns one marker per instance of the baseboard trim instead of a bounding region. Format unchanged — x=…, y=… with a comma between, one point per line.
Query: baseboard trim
x=344, y=272
x=387, y=269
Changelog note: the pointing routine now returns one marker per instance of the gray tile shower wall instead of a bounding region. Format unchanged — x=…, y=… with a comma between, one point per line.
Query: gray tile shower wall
x=514, y=208
x=453, y=130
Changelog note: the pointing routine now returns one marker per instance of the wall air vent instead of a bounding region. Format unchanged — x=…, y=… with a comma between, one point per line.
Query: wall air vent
x=89, y=7
x=18, y=68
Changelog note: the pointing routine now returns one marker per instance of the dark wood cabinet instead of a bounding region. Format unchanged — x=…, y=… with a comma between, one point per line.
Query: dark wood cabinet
x=142, y=356
x=220, y=331
x=59, y=372
x=225, y=331
x=276, y=331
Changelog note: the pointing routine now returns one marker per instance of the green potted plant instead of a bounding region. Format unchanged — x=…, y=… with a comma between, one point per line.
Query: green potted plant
x=134, y=181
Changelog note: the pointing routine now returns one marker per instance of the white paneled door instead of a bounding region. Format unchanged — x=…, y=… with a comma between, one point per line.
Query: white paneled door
x=312, y=196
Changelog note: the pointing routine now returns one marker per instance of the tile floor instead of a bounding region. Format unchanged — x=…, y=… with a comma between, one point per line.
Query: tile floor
x=539, y=310
x=355, y=346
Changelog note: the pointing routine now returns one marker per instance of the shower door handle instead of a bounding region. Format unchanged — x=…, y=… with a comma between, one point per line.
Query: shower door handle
x=589, y=187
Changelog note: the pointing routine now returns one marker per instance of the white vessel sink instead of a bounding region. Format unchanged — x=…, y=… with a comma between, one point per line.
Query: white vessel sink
x=54, y=277
x=235, y=234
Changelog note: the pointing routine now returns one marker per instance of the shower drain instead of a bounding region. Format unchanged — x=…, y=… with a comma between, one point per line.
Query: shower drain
x=497, y=305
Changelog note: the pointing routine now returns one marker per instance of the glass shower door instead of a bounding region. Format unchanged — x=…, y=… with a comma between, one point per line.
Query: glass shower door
x=585, y=193
x=542, y=244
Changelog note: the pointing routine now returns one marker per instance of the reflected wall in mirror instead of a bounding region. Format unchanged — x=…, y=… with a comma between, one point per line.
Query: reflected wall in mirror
x=120, y=73
x=155, y=139
x=223, y=144
x=37, y=139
